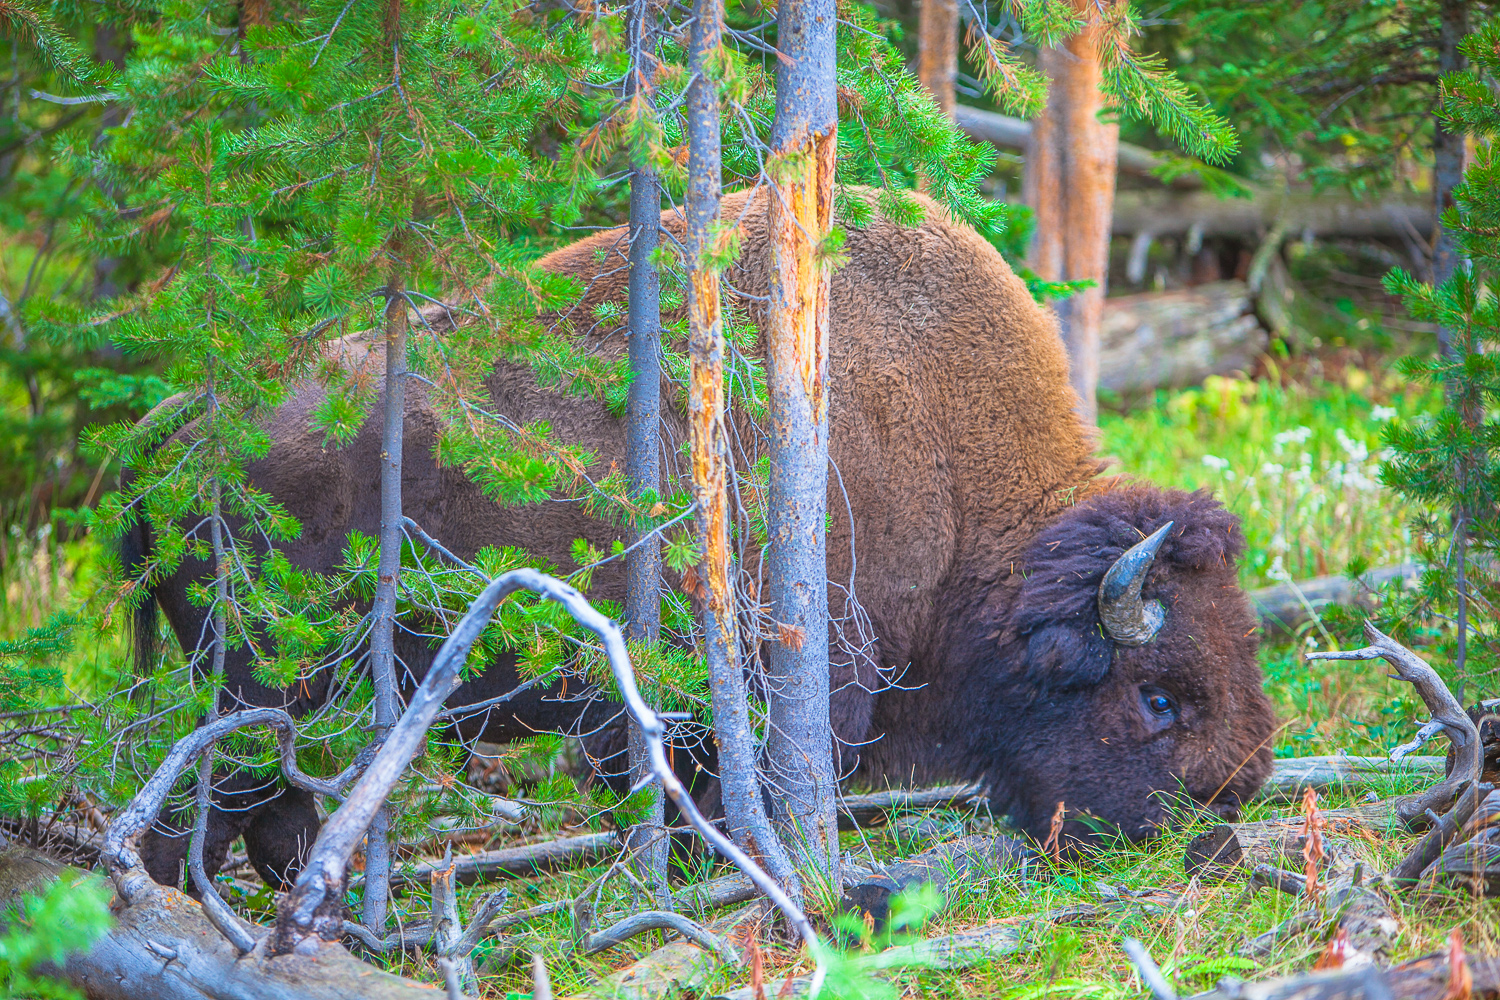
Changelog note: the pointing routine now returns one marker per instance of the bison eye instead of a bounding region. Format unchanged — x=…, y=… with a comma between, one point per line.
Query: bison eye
x=1161, y=708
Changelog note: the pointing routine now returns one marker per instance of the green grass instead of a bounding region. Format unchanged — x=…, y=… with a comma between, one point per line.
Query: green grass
x=1298, y=463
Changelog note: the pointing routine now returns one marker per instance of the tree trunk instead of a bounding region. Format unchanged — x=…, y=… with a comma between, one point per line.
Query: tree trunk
x=937, y=51
x=805, y=139
x=643, y=442
x=1069, y=183
x=164, y=948
x=739, y=781
x=1448, y=150
x=387, y=586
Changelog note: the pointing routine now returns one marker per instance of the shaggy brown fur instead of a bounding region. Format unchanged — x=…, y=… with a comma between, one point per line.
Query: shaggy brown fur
x=981, y=531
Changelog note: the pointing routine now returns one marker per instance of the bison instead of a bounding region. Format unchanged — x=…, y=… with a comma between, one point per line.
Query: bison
x=1063, y=636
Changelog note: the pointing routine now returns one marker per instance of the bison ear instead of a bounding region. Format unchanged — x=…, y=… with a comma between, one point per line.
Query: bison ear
x=1067, y=656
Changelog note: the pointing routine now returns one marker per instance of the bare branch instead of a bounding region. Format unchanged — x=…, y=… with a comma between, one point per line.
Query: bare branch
x=639, y=923
x=314, y=905
x=119, y=852
x=1445, y=709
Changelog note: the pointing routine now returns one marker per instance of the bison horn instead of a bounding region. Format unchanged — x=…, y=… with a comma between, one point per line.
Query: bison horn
x=1129, y=620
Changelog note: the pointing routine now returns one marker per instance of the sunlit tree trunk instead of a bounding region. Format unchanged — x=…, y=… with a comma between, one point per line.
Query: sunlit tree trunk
x=739, y=781
x=937, y=50
x=805, y=139
x=643, y=435
x=1070, y=185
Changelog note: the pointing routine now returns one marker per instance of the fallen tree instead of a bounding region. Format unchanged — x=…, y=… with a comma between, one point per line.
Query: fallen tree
x=167, y=946
x=1166, y=340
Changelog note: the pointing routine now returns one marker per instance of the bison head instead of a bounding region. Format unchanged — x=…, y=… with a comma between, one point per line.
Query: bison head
x=1130, y=665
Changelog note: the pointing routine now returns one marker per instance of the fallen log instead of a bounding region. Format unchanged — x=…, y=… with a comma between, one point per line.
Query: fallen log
x=1015, y=133
x=866, y=808
x=1291, y=776
x=1425, y=978
x=1284, y=607
x=517, y=862
x=1167, y=340
x=1327, y=214
x=162, y=946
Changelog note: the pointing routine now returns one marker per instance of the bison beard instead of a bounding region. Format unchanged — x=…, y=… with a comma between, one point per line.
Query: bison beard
x=983, y=532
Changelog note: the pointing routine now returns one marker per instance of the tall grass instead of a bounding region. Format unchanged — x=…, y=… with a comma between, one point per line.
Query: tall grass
x=1299, y=463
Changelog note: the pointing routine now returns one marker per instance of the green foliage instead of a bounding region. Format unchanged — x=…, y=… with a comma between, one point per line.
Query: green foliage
x=1344, y=84
x=42, y=930
x=1298, y=463
x=1451, y=461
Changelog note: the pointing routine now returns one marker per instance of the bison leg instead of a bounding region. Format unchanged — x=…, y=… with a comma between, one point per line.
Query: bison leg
x=279, y=835
x=240, y=798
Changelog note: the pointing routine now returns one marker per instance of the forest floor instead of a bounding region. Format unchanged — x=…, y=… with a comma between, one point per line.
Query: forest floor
x=1297, y=459
x=1196, y=943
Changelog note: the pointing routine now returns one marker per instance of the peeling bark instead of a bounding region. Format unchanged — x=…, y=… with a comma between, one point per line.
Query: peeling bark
x=739, y=781
x=805, y=141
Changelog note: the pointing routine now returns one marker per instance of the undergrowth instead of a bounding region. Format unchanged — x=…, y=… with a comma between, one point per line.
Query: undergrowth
x=1297, y=461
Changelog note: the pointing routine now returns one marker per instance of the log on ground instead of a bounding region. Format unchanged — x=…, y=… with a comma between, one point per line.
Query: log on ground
x=1291, y=776
x=516, y=862
x=164, y=948
x=1286, y=606
x=1167, y=340
x=1425, y=978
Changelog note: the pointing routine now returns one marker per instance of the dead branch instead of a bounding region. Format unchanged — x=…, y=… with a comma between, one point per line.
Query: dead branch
x=119, y=854
x=1473, y=860
x=313, y=909
x=1149, y=971
x=448, y=929
x=518, y=862
x=1445, y=709
x=215, y=909
x=1444, y=832
x=659, y=920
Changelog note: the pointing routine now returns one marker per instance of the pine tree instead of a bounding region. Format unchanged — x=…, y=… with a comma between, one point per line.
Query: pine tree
x=1452, y=461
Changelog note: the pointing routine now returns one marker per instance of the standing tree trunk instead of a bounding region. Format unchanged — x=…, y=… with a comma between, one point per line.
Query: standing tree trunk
x=387, y=587
x=739, y=781
x=1448, y=149
x=937, y=51
x=1070, y=184
x=805, y=140
x=643, y=443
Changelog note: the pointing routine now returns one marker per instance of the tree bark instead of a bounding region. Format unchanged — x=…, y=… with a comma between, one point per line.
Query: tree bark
x=387, y=587
x=937, y=51
x=643, y=433
x=162, y=946
x=739, y=780
x=1069, y=183
x=805, y=139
